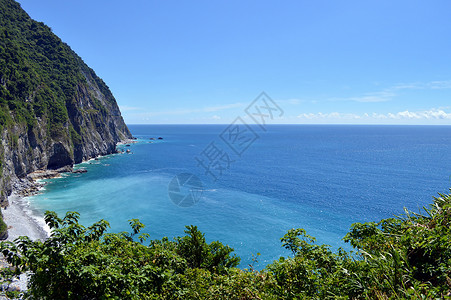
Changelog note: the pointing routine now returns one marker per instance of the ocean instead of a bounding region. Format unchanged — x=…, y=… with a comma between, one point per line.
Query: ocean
x=247, y=188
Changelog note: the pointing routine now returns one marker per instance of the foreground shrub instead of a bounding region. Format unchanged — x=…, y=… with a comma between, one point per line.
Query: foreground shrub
x=78, y=262
x=404, y=257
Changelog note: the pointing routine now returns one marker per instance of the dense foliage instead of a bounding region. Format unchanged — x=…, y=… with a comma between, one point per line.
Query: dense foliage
x=39, y=74
x=3, y=226
x=404, y=257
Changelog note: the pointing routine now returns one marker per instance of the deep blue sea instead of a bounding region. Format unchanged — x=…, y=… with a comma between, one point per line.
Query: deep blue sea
x=258, y=184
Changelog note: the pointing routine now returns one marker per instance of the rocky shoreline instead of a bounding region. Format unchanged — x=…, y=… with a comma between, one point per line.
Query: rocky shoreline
x=30, y=185
x=14, y=210
x=17, y=215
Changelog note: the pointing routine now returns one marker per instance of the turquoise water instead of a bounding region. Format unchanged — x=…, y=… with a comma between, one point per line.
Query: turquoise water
x=321, y=178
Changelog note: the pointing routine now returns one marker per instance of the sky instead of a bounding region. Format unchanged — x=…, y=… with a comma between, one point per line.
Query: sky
x=321, y=62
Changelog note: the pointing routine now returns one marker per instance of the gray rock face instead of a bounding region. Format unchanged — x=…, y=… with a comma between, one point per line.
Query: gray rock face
x=93, y=115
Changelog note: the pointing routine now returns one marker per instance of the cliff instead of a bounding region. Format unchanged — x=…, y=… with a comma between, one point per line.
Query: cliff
x=54, y=110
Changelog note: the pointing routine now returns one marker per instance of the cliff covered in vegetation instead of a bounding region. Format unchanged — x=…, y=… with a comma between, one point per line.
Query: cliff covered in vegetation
x=54, y=110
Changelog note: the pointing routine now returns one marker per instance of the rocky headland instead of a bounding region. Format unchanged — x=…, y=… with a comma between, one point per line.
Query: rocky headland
x=54, y=110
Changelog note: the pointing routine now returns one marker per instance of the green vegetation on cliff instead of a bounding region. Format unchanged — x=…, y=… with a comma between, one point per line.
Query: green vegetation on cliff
x=39, y=74
x=406, y=257
x=41, y=77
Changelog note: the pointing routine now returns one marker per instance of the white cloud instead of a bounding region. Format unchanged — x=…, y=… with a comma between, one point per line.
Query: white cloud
x=446, y=84
x=223, y=107
x=433, y=85
x=436, y=114
x=409, y=115
x=333, y=115
x=406, y=86
x=293, y=101
x=432, y=114
x=378, y=116
x=389, y=93
x=374, y=97
x=188, y=111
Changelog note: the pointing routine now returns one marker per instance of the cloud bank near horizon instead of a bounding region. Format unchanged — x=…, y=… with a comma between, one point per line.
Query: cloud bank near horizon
x=406, y=117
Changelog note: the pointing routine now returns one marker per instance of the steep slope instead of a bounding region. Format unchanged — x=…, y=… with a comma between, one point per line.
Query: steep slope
x=54, y=110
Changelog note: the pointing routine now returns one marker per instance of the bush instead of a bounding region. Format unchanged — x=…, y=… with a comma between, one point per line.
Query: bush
x=78, y=262
x=404, y=257
x=3, y=227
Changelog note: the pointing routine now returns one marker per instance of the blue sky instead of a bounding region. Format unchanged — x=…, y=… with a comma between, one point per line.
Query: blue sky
x=346, y=62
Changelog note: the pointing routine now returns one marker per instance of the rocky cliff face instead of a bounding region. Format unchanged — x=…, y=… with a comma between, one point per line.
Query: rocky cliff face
x=54, y=110
x=99, y=130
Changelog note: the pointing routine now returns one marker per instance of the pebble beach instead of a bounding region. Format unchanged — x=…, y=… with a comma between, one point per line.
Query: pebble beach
x=20, y=222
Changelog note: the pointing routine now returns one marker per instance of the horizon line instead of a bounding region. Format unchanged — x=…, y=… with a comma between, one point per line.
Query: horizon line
x=291, y=124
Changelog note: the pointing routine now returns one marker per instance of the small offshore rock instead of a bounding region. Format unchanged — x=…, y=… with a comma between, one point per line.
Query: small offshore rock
x=78, y=171
x=160, y=138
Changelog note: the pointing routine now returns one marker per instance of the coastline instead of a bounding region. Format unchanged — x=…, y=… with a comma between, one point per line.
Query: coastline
x=127, y=141
x=21, y=222
x=19, y=216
